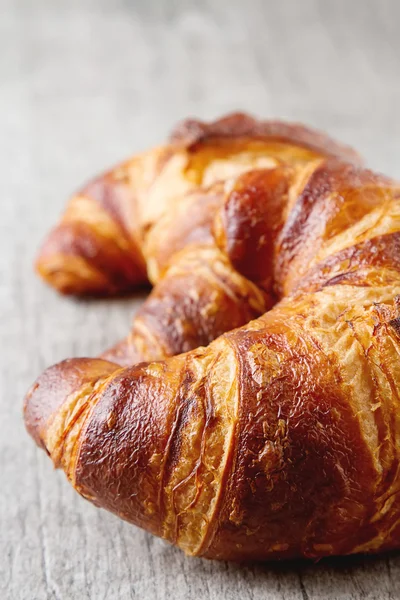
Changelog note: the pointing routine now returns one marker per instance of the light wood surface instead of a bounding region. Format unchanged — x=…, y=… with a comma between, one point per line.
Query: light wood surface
x=82, y=85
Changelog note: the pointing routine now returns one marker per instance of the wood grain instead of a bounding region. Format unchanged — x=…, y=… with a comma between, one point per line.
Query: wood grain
x=84, y=84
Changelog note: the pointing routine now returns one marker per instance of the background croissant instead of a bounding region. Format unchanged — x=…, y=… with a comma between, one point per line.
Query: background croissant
x=279, y=438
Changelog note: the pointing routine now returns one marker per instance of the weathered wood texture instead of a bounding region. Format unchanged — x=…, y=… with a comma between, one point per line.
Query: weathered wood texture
x=82, y=85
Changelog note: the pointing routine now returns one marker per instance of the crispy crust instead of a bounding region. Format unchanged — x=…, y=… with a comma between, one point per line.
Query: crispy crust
x=191, y=132
x=280, y=438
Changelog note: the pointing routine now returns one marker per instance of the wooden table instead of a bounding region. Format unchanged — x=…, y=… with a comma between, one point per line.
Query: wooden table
x=82, y=85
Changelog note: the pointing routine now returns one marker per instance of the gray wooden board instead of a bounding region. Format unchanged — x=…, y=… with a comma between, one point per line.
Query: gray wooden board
x=83, y=85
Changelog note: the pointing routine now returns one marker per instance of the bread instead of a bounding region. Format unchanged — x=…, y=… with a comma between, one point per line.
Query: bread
x=280, y=438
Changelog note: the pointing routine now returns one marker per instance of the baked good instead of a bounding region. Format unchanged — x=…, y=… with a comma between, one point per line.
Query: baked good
x=281, y=437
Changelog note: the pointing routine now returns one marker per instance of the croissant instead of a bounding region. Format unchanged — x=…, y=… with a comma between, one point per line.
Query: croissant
x=280, y=438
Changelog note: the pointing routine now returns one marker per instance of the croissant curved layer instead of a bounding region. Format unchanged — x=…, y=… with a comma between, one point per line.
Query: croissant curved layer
x=153, y=217
x=281, y=437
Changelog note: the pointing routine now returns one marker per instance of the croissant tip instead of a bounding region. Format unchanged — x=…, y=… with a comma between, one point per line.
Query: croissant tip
x=51, y=265
x=40, y=403
x=54, y=386
x=45, y=396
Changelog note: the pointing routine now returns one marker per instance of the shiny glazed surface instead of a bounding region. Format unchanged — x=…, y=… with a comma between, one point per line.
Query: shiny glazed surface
x=280, y=437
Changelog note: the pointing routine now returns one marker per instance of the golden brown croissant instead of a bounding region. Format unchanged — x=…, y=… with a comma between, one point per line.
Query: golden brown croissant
x=281, y=438
x=158, y=211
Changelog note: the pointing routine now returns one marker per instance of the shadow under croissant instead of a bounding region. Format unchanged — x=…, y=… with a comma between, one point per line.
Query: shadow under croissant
x=138, y=293
x=326, y=578
x=344, y=564
x=352, y=576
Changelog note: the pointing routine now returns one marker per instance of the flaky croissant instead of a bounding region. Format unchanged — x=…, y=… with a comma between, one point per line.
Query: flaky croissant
x=281, y=437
